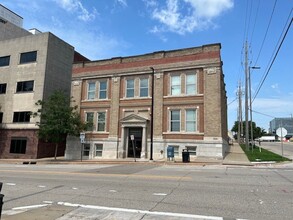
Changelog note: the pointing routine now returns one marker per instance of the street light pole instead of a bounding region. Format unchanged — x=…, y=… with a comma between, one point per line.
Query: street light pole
x=152, y=114
x=246, y=98
x=250, y=108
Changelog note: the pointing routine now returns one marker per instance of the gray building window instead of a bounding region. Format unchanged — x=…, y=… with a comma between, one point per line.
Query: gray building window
x=18, y=145
x=25, y=86
x=21, y=116
x=4, y=61
x=99, y=150
x=89, y=121
x=190, y=120
x=101, y=122
x=86, y=150
x=1, y=117
x=175, y=85
x=91, y=90
x=28, y=57
x=191, y=84
x=3, y=88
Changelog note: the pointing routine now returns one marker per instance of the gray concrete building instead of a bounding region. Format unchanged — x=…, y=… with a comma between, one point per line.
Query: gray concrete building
x=182, y=92
x=286, y=123
x=32, y=66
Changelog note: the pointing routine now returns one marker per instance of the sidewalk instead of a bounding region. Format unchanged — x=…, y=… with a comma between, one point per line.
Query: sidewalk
x=236, y=156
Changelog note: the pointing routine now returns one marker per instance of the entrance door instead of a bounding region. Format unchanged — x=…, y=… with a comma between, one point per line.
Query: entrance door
x=137, y=133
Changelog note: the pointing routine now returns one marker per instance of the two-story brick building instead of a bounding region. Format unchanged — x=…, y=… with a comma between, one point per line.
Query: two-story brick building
x=188, y=102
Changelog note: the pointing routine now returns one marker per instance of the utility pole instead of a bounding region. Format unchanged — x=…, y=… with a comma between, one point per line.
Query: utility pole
x=239, y=134
x=246, y=97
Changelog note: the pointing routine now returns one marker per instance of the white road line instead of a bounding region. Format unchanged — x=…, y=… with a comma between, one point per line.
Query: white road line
x=74, y=188
x=113, y=191
x=41, y=186
x=48, y=202
x=30, y=207
x=10, y=184
x=141, y=211
x=160, y=194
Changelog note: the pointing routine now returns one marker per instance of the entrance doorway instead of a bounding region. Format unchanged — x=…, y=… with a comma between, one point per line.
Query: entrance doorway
x=137, y=142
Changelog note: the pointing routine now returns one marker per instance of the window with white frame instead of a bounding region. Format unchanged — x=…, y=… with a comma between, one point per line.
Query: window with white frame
x=176, y=151
x=175, y=85
x=191, y=150
x=91, y=90
x=101, y=121
x=130, y=88
x=143, y=87
x=86, y=150
x=89, y=117
x=103, y=90
x=190, y=120
x=99, y=150
x=174, y=120
x=191, y=84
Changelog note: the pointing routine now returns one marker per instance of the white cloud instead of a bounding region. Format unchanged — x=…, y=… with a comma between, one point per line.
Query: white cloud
x=122, y=2
x=189, y=15
x=75, y=6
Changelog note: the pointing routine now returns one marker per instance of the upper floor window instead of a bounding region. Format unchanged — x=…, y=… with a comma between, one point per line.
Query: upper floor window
x=103, y=90
x=130, y=88
x=190, y=120
x=143, y=87
x=175, y=120
x=190, y=86
x=89, y=120
x=175, y=85
x=3, y=88
x=4, y=61
x=21, y=116
x=91, y=90
x=25, y=86
x=101, y=122
x=28, y=57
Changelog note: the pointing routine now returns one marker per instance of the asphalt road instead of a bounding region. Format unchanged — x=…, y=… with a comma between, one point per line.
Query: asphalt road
x=147, y=191
x=276, y=147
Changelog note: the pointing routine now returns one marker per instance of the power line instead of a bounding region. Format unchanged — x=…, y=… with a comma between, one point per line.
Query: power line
x=275, y=56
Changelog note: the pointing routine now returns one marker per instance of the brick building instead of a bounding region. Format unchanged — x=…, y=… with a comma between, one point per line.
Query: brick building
x=32, y=66
x=188, y=101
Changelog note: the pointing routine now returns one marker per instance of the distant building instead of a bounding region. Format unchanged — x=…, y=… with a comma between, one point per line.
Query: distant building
x=32, y=66
x=189, y=101
x=286, y=123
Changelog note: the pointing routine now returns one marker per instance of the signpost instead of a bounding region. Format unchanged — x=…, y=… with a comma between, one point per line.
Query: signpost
x=281, y=132
x=133, y=147
x=82, y=140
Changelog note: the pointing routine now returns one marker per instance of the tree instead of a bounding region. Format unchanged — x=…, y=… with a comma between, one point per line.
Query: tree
x=58, y=119
x=257, y=131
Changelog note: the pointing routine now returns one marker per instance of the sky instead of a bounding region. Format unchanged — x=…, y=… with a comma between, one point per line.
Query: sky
x=102, y=29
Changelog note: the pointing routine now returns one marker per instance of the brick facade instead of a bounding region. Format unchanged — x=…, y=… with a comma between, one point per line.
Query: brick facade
x=201, y=114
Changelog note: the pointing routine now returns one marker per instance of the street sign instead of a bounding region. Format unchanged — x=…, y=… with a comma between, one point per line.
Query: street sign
x=281, y=132
x=82, y=137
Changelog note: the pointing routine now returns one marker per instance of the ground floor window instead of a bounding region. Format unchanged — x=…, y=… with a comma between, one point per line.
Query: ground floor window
x=176, y=151
x=99, y=150
x=191, y=150
x=18, y=145
x=86, y=149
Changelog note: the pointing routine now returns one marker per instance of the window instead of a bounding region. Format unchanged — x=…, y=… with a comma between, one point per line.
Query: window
x=103, y=90
x=191, y=150
x=1, y=117
x=18, y=146
x=3, y=88
x=190, y=122
x=130, y=88
x=21, y=117
x=175, y=85
x=25, y=86
x=89, y=120
x=4, y=61
x=99, y=150
x=175, y=120
x=191, y=84
x=101, y=121
x=86, y=150
x=28, y=57
x=143, y=88
x=91, y=90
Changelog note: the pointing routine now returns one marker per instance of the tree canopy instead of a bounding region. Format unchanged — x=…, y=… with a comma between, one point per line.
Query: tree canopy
x=257, y=131
x=58, y=119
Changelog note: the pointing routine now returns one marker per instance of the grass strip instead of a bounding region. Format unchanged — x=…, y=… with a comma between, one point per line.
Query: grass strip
x=257, y=155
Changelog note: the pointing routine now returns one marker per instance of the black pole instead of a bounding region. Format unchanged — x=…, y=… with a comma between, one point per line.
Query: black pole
x=152, y=113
